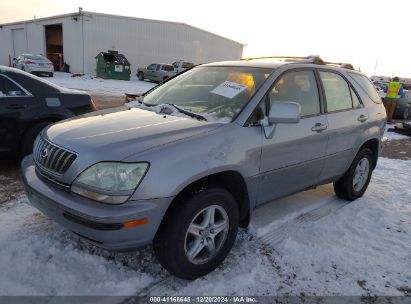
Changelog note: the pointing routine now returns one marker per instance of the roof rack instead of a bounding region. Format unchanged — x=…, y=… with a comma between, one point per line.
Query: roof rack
x=347, y=66
x=315, y=59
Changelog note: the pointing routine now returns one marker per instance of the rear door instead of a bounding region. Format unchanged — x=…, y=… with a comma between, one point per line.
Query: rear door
x=293, y=158
x=347, y=120
x=17, y=108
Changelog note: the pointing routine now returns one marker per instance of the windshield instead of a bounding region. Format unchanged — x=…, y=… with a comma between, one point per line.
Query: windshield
x=212, y=92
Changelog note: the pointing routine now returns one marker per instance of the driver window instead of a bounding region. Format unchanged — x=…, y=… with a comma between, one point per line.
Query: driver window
x=9, y=88
x=300, y=87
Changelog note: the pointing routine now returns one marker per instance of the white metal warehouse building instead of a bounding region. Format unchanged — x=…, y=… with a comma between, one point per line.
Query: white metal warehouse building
x=79, y=37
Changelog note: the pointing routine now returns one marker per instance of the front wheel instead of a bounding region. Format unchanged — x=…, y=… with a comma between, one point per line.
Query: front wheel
x=354, y=182
x=140, y=76
x=197, y=233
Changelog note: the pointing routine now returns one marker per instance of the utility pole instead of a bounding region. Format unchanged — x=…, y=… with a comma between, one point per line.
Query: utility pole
x=375, y=67
x=81, y=16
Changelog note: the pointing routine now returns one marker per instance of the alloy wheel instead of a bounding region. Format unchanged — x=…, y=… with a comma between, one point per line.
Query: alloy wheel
x=361, y=174
x=206, y=234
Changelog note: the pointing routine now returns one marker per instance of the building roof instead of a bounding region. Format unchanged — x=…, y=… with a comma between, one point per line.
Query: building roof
x=116, y=16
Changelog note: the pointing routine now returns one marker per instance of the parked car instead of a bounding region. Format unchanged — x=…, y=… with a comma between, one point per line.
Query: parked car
x=28, y=104
x=402, y=109
x=157, y=72
x=188, y=166
x=34, y=64
x=182, y=65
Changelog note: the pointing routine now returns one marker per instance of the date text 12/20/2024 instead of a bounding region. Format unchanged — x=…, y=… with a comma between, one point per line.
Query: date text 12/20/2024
x=204, y=299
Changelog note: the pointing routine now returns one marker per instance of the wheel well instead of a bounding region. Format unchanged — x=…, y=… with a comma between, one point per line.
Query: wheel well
x=373, y=145
x=232, y=181
x=47, y=119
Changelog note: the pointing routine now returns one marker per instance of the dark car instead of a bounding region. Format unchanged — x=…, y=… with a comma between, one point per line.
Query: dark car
x=402, y=109
x=29, y=103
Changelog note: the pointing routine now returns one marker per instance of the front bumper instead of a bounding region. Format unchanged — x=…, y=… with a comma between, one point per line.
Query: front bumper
x=98, y=223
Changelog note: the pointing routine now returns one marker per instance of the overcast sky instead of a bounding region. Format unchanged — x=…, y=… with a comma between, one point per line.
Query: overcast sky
x=362, y=32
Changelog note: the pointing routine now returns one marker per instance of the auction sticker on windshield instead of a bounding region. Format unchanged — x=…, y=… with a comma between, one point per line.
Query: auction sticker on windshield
x=229, y=89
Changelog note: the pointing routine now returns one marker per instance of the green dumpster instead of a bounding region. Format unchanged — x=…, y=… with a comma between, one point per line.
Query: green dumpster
x=112, y=65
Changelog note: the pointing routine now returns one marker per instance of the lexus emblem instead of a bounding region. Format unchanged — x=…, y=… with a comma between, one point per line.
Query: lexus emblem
x=44, y=153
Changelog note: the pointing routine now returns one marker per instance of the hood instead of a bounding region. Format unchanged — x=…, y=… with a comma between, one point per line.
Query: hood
x=115, y=134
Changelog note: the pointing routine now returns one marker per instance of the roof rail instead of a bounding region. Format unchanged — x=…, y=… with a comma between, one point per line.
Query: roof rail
x=303, y=59
x=347, y=66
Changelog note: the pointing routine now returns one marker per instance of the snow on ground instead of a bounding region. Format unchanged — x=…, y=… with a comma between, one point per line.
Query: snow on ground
x=358, y=248
x=100, y=86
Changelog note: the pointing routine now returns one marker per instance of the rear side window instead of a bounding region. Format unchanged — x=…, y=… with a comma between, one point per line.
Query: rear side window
x=355, y=101
x=187, y=65
x=9, y=88
x=167, y=68
x=337, y=92
x=367, y=86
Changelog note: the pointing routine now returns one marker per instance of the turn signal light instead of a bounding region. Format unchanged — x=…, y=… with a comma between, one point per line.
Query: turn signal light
x=139, y=222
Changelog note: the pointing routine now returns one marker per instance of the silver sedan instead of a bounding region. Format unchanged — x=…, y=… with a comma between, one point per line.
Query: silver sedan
x=35, y=64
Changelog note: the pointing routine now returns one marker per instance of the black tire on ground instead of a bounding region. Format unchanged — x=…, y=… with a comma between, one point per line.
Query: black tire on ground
x=406, y=113
x=344, y=187
x=22, y=68
x=140, y=76
x=30, y=136
x=170, y=244
x=165, y=78
x=51, y=74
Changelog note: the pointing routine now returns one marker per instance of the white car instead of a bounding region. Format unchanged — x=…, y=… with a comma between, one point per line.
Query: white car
x=34, y=64
x=182, y=65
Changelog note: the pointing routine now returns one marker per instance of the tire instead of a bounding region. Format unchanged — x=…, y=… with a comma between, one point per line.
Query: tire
x=346, y=187
x=140, y=76
x=30, y=136
x=173, y=242
x=22, y=68
x=406, y=113
x=165, y=78
x=51, y=74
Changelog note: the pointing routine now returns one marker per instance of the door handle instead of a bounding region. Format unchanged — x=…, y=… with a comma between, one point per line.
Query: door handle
x=362, y=118
x=318, y=127
x=15, y=106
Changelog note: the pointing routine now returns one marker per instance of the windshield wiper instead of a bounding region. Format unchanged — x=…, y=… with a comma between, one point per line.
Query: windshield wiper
x=195, y=115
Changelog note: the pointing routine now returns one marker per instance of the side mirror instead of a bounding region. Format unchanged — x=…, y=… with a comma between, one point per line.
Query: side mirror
x=282, y=112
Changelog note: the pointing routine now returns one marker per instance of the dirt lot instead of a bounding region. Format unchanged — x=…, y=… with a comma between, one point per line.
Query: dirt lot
x=108, y=101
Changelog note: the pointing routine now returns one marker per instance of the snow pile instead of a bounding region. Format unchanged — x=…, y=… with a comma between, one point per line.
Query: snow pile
x=358, y=248
x=95, y=85
x=171, y=110
x=39, y=258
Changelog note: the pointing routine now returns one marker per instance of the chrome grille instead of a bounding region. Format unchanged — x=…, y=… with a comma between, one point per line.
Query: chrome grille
x=52, y=158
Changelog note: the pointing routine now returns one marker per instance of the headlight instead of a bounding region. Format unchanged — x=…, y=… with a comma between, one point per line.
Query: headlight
x=110, y=182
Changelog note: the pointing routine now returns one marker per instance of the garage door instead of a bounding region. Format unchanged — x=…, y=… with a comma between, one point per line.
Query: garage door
x=19, y=41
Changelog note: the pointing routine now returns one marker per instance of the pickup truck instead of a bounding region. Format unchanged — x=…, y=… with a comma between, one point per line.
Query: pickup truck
x=156, y=72
x=182, y=65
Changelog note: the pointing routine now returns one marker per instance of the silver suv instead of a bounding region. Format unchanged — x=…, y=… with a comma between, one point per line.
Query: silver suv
x=156, y=72
x=187, y=164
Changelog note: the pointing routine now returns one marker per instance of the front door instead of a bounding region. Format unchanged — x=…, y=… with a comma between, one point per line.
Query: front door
x=293, y=158
x=15, y=103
